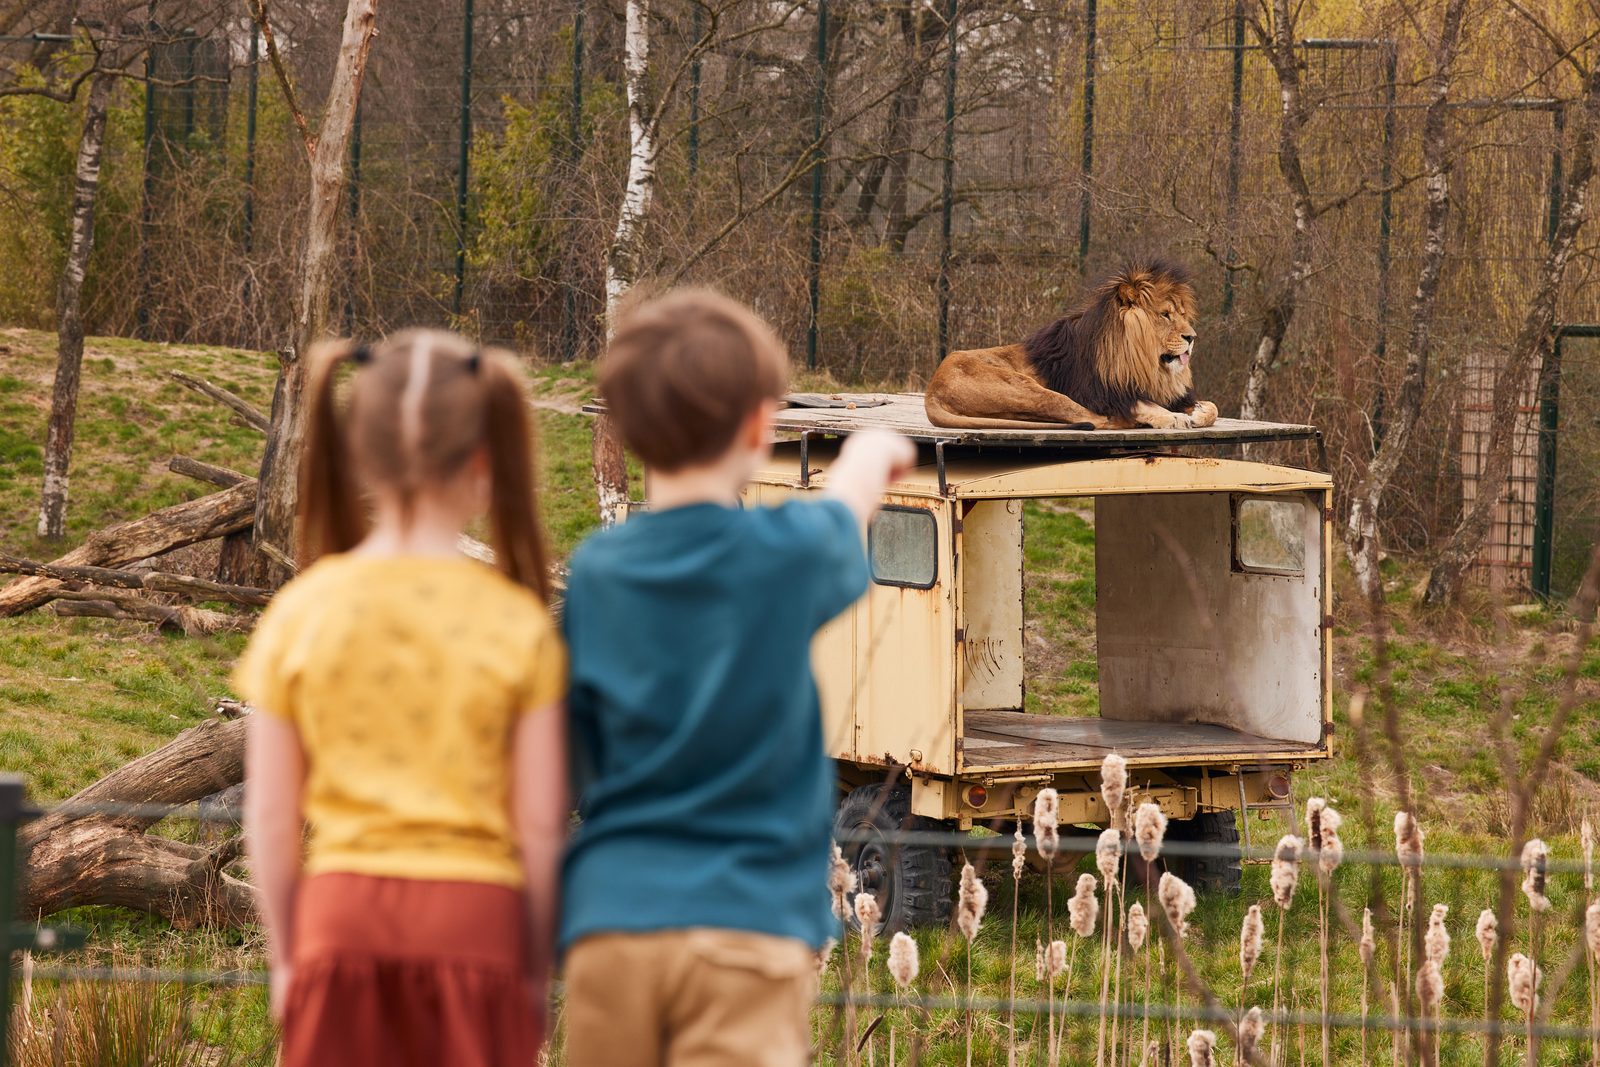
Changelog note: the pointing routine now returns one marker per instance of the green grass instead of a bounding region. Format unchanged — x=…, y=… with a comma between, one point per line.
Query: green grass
x=79, y=697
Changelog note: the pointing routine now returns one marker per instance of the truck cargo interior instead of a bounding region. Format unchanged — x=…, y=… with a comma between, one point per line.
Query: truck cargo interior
x=1178, y=625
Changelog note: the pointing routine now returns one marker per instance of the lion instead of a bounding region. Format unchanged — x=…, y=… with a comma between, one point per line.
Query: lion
x=1118, y=362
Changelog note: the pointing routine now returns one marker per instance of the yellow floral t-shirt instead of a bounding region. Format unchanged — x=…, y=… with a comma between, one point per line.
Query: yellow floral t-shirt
x=405, y=678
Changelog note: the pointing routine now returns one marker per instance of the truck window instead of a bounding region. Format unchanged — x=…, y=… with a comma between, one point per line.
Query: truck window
x=1269, y=536
x=902, y=544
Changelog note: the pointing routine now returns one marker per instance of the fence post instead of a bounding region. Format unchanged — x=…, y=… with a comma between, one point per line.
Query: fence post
x=12, y=803
x=948, y=181
x=1380, y=347
x=1544, y=506
x=1089, y=19
x=250, y=166
x=694, y=93
x=464, y=150
x=141, y=312
x=817, y=162
x=569, y=291
x=1235, y=154
x=355, y=217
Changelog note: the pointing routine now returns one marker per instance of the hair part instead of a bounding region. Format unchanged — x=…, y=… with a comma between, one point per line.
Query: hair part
x=1106, y=354
x=421, y=405
x=682, y=373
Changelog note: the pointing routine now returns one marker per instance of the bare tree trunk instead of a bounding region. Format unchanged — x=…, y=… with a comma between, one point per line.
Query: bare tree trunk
x=69, y=312
x=1533, y=343
x=1361, y=531
x=182, y=524
x=622, y=262
x=316, y=274
x=1278, y=43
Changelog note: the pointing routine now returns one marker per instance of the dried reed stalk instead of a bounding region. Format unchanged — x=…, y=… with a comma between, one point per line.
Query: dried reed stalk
x=1285, y=877
x=903, y=964
x=1019, y=860
x=1046, y=809
x=1107, y=858
x=971, y=904
x=1409, y=850
x=1368, y=947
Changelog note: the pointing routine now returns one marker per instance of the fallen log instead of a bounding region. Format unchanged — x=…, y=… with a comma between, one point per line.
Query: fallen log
x=222, y=477
x=161, y=531
x=194, y=622
x=154, y=581
x=95, y=848
x=235, y=403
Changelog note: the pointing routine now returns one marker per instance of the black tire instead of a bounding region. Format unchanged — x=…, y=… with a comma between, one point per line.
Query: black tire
x=911, y=882
x=1221, y=871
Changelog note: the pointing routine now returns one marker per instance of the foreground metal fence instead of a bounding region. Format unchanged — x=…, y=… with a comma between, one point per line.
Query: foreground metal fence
x=1198, y=1004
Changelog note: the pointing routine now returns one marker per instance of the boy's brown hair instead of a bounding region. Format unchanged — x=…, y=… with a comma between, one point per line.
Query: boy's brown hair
x=682, y=373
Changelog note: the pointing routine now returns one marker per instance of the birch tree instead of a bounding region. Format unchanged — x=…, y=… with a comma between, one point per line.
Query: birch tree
x=1362, y=539
x=1278, y=43
x=69, y=312
x=622, y=260
x=1533, y=344
x=315, y=273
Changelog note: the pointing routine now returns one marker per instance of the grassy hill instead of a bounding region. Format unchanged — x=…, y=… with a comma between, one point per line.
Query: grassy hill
x=79, y=697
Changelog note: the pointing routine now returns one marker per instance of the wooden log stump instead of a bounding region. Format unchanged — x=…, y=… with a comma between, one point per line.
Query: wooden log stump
x=96, y=849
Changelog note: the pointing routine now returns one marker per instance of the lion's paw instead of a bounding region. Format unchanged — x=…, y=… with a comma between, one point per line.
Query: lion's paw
x=1204, y=414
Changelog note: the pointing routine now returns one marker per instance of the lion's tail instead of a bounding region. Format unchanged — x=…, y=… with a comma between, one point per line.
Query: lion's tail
x=940, y=415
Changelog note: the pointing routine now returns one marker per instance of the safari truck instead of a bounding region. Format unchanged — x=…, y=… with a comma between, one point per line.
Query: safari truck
x=1210, y=633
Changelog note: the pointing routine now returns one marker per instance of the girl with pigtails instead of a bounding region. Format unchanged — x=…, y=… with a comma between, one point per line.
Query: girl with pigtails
x=408, y=711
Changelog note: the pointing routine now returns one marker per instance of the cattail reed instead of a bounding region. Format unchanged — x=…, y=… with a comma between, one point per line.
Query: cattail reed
x=1430, y=995
x=1330, y=854
x=1535, y=859
x=1177, y=900
x=970, y=906
x=1107, y=859
x=1038, y=960
x=1149, y=830
x=825, y=956
x=1138, y=926
x=1251, y=933
x=867, y=915
x=1436, y=942
x=1019, y=860
x=1524, y=977
x=1408, y=850
x=1107, y=856
x=1285, y=870
x=1083, y=910
x=1285, y=877
x=1323, y=824
x=1058, y=957
x=1368, y=948
x=841, y=884
x=1114, y=788
x=1046, y=811
x=903, y=960
x=1202, y=1049
x=903, y=969
x=1488, y=934
x=1250, y=1031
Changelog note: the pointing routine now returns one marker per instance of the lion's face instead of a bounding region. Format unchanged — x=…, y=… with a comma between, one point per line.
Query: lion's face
x=1158, y=313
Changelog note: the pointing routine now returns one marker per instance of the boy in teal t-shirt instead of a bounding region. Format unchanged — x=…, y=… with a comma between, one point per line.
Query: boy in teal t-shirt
x=694, y=892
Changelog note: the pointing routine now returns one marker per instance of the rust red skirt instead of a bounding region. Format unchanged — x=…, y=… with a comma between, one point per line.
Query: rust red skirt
x=398, y=972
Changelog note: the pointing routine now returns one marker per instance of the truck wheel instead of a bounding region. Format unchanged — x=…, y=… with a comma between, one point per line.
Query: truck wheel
x=1219, y=872
x=911, y=882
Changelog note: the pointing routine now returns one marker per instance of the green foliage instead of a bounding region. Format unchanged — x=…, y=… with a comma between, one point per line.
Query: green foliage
x=518, y=225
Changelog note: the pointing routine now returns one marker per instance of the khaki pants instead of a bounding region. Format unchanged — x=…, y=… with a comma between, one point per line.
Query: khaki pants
x=689, y=998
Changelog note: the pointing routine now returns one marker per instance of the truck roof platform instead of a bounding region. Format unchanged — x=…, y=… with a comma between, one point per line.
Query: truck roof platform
x=839, y=414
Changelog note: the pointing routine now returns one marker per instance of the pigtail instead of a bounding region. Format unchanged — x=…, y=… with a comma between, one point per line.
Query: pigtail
x=331, y=516
x=519, y=547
